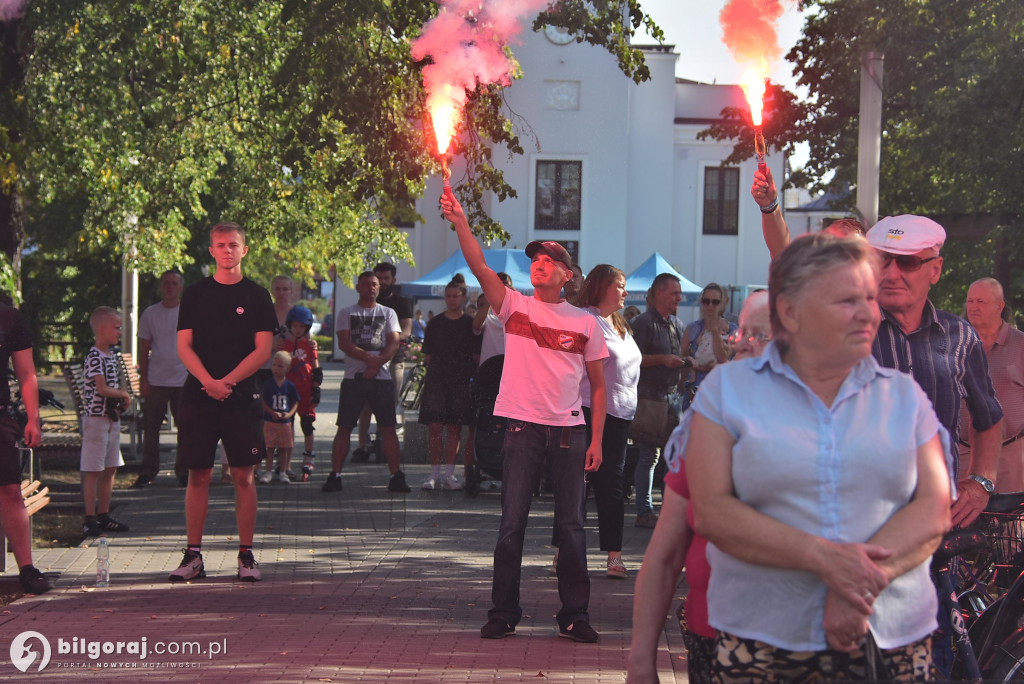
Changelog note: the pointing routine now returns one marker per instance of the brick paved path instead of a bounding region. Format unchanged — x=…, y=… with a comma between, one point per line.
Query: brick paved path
x=359, y=586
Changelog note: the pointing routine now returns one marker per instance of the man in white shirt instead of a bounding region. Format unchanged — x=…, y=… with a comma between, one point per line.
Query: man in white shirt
x=161, y=372
x=368, y=334
x=549, y=346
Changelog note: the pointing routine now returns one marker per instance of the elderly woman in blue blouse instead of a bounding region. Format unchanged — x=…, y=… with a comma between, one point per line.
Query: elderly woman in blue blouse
x=819, y=479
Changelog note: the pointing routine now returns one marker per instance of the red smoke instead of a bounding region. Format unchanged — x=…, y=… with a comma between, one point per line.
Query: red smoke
x=748, y=30
x=11, y=9
x=466, y=41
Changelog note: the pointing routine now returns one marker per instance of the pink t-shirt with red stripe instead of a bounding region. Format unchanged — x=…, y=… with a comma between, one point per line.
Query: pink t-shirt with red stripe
x=546, y=350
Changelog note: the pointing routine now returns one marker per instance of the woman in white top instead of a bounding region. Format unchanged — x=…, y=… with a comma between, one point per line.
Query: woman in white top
x=604, y=294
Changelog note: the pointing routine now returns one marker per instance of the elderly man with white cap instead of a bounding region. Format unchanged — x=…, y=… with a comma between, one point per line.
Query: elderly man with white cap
x=941, y=351
x=945, y=356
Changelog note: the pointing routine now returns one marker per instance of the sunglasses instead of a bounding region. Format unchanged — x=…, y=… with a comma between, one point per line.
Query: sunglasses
x=707, y=301
x=908, y=263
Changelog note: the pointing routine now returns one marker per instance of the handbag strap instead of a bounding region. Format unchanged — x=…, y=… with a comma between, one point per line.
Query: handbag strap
x=876, y=667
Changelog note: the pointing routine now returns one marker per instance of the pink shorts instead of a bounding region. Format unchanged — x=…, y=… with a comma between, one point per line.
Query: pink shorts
x=278, y=435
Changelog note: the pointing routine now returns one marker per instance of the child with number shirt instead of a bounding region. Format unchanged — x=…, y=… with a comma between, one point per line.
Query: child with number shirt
x=101, y=424
x=280, y=402
x=306, y=374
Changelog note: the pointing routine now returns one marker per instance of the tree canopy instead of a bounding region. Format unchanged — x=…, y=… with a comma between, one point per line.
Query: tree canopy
x=127, y=128
x=303, y=121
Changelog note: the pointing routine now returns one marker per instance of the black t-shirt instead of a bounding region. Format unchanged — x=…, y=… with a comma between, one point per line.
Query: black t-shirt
x=451, y=345
x=14, y=336
x=402, y=306
x=224, y=320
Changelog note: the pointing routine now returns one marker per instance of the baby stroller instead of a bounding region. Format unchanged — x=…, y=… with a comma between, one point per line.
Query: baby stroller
x=490, y=429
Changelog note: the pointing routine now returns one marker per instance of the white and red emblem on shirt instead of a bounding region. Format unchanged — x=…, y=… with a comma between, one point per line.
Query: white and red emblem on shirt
x=565, y=341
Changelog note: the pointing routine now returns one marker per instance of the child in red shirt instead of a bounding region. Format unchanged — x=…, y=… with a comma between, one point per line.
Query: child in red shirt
x=306, y=374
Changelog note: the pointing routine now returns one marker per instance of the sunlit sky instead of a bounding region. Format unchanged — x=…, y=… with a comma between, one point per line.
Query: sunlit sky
x=693, y=27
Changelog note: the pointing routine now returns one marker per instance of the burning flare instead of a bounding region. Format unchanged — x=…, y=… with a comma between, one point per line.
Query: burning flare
x=466, y=43
x=748, y=29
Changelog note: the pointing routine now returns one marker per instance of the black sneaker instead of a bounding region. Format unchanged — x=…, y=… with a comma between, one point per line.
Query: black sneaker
x=360, y=455
x=580, y=631
x=333, y=483
x=191, y=567
x=92, y=528
x=397, y=483
x=496, y=628
x=108, y=524
x=33, y=581
x=142, y=481
x=247, y=571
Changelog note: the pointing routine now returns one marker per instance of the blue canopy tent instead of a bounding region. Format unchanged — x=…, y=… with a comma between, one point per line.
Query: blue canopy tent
x=511, y=261
x=639, y=281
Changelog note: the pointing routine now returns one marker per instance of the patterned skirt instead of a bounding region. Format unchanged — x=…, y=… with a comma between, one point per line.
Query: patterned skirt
x=748, y=660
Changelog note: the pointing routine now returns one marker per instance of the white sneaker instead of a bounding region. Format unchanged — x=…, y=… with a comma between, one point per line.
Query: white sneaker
x=283, y=477
x=247, y=571
x=451, y=484
x=266, y=477
x=430, y=485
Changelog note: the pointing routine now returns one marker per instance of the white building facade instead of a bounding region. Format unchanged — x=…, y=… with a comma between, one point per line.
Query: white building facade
x=614, y=170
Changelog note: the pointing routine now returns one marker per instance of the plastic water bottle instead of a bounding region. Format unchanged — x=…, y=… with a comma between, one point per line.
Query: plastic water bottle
x=103, y=563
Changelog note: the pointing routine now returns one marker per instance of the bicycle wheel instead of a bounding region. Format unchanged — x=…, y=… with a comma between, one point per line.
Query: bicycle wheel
x=1008, y=665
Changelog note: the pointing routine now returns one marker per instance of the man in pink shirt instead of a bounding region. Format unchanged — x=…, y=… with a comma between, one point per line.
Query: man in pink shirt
x=549, y=345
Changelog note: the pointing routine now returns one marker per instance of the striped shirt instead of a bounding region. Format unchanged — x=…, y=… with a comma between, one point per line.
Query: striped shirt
x=948, y=361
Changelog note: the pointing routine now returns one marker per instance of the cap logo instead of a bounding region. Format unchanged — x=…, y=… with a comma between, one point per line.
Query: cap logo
x=240, y=310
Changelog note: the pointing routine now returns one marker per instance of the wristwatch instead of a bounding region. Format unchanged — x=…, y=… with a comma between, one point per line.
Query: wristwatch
x=986, y=483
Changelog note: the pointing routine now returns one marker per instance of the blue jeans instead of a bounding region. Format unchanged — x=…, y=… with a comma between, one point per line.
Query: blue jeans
x=528, y=448
x=643, y=478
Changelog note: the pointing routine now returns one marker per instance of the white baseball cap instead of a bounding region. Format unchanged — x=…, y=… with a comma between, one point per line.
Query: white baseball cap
x=906, y=234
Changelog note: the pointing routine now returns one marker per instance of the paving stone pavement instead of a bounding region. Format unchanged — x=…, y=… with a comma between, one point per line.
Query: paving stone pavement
x=358, y=586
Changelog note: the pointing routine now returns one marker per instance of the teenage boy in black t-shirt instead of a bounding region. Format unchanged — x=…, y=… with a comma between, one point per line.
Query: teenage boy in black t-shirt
x=16, y=346
x=225, y=332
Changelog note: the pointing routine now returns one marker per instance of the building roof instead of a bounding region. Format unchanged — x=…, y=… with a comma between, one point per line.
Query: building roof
x=827, y=201
x=702, y=103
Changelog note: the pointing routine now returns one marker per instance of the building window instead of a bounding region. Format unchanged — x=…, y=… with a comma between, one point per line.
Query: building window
x=558, y=195
x=721, y=200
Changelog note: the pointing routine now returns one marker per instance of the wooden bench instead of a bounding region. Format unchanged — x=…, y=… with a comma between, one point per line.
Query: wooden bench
x=131, y=418
x=35, y=494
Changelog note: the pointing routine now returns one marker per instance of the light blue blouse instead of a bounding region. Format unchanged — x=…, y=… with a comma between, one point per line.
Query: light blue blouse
x=838, y=473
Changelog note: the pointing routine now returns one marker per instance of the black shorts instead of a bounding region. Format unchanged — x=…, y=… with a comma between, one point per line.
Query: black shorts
x=202, y=424
x=359, y=392
x=10, y=454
